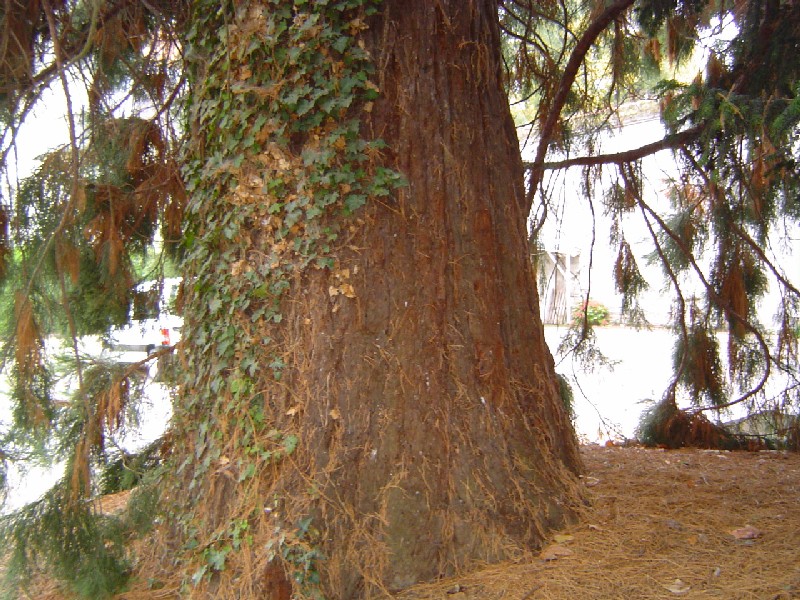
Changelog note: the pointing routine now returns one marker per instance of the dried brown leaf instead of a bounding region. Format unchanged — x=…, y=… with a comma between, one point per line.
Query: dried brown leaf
x=678, y=587
x=554, y=551
x=748, y=532
x=563, y=538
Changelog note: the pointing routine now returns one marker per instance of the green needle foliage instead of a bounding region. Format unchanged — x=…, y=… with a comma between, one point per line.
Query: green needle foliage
x=80, y=547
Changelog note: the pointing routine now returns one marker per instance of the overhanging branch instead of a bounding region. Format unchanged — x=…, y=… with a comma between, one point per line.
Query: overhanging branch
x=585, y=43
x=674, y=140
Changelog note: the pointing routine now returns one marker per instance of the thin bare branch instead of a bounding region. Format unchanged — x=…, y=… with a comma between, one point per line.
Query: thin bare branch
x=75, y=183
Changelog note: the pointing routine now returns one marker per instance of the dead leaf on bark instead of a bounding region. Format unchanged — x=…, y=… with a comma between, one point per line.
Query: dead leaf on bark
x=348, y=290
x=345, y=289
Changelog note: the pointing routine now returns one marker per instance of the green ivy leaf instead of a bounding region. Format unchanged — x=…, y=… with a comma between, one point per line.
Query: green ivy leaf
x=290, y=444
x=353, y=202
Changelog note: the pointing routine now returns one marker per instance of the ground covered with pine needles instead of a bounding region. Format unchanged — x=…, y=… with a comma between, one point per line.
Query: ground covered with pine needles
x=660, y=524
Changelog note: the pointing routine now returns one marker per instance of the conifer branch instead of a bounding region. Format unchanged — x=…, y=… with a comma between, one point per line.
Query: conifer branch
x=585, y=43
x=721, y=303
x=672, y=141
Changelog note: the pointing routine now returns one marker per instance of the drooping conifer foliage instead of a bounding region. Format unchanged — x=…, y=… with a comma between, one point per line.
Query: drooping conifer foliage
x=340, y=184
x=79, y=228
x=732, y=125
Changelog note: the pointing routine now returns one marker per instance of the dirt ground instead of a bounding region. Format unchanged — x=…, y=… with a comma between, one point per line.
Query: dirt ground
x=660, y=524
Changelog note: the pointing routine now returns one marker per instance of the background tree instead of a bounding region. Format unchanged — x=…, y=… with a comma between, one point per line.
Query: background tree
x=366, y=399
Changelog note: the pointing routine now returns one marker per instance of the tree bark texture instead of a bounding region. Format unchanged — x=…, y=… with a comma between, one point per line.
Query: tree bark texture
x=431, y=433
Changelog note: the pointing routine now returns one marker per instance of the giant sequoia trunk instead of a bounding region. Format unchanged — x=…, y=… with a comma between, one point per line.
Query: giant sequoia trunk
x=414, y=375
